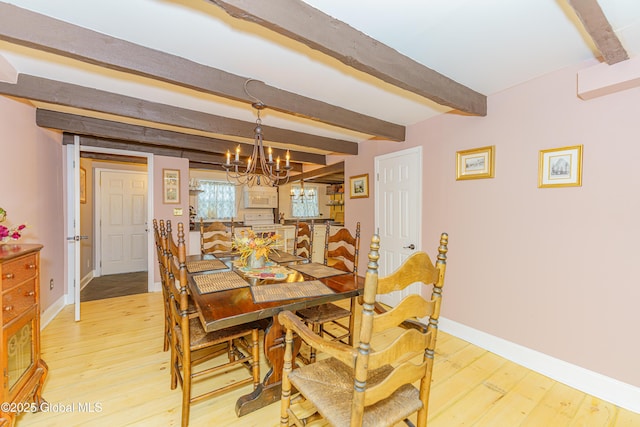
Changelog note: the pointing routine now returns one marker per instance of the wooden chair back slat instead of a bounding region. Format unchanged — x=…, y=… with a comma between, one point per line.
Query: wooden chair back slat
x=216, y=237
x=303, y=240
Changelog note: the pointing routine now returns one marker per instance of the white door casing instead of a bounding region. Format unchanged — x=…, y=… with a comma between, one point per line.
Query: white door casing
x=123, y=214
x=398, y=213
x=73, y=225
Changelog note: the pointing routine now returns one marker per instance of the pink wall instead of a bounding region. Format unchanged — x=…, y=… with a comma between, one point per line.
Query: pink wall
x=165, y=211
x=549, y=269
x=31, y=189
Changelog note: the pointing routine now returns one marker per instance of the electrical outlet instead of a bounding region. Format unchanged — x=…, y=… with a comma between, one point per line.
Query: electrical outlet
x=177, y=211
x=51, y=284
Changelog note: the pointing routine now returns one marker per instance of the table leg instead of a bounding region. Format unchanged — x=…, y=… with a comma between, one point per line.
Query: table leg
x=270, y=389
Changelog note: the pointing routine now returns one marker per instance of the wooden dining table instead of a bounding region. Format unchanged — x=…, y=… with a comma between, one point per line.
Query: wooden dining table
x=221, y=309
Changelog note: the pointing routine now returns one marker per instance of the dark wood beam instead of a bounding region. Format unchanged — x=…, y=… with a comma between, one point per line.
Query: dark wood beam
x=112, y=157
x=213, y=161
x=70, y=95
x=598, y=27
x=305, y=24
x=37, y=31
x=336, y=168
x=106, y=129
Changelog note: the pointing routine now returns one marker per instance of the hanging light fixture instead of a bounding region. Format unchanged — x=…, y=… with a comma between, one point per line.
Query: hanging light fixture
x=302, y=195
x=260, y=168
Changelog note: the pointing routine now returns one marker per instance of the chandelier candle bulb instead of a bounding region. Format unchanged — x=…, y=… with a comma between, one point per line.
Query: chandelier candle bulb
x=228, y=157
x=270, y=155
x=287, y=159
x=238, y=153
x=278, y=163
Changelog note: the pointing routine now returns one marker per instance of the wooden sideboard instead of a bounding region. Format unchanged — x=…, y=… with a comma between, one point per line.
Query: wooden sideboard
x=23, y=371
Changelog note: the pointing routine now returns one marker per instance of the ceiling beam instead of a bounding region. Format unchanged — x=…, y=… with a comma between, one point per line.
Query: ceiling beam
x=37, y=31
x=318, y=173
x=598, y=27
x=196, y=159
x=82, y=125
x=301, y=22
x=112, y=157
x=70, y=95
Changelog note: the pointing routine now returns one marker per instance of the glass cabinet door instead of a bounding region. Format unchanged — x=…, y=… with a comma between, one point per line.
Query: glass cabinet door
x=20, y=348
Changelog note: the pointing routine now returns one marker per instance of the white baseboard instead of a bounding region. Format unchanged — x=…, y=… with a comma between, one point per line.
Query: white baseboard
x=611, y=390
x=86, y=279
x=51, y=312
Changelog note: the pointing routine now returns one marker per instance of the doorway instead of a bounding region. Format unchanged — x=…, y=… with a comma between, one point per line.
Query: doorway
x=117, y=227
x=79, y=225
x=398, y=212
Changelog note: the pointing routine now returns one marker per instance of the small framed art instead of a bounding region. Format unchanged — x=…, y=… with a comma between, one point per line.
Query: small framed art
x=359, y=186
x=475, y=164
x=560, y=167
x=171, y=185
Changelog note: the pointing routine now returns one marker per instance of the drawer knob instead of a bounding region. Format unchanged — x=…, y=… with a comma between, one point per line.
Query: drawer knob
x=8, y=308
x=9, y=276
x=29, y=294
x=31, y=266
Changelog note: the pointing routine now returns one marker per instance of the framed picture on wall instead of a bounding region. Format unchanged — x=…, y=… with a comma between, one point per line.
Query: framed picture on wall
x=560, y=167
x=475, y=164
x=359, y=186
x=83, y=185
x=171, y=185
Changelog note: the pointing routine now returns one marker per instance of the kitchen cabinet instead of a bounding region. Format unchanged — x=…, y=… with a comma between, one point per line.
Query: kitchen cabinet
x=23, y=370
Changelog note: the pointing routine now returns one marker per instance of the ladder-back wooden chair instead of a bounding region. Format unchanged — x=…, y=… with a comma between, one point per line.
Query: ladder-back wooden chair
x=216, y=237
x=191, y=345
x=160, y=235
x=341, y=250
x=367, y=386
x=303, y=241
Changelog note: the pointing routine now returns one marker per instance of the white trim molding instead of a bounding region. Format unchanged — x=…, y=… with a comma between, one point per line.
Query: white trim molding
x=52, y=311
x=611, y=390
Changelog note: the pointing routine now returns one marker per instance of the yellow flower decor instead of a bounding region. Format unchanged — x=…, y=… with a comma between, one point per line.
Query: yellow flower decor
x=248, y=242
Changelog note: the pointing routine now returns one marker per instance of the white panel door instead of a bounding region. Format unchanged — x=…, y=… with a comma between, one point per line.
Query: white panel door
x=398, y=212
x=123, y=221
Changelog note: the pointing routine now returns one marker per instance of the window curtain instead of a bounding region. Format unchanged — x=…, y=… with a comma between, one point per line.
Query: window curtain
x=217, y=200
x=305, y=206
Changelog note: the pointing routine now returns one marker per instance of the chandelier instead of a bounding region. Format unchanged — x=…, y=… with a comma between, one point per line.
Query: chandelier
x=300, y=195
x=260, y=169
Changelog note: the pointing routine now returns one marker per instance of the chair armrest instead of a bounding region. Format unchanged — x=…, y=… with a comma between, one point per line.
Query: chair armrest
x=407, y=324
x=343, y=352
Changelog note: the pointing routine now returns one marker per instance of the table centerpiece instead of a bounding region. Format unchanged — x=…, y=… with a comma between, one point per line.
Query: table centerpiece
x=254, y=249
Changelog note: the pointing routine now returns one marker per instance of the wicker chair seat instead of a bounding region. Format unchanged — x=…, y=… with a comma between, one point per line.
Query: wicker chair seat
x=323, y=313
x=328, y=384
x=201, y=339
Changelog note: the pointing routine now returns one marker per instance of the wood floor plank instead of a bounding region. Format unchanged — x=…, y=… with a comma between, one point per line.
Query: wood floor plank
x=114, y=358
x=516, y=405
x=557, y=408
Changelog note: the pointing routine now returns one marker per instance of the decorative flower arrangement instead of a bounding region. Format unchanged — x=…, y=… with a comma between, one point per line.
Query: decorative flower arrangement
x=249, y=243
x=6, y=233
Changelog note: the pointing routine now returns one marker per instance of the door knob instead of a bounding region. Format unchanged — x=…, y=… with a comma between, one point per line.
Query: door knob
x=411, y=246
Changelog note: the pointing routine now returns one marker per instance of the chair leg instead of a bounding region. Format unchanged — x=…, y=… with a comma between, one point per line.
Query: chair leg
x=285, y=399
x=255, y=356
x=352, y=319
x=186, y=387
x=317, y=328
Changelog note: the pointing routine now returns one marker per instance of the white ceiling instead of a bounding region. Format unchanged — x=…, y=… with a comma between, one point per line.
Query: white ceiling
x=487, y=45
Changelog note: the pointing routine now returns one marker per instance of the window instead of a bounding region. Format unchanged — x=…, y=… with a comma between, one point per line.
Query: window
x=217, y=200
x=304, y=202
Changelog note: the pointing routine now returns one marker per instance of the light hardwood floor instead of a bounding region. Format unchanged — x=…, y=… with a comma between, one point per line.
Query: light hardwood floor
x=112, y=362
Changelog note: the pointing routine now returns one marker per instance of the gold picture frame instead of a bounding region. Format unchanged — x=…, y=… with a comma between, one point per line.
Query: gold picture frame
x=83, y=185
x=359, y=186
x=560, y=167
x=476, y=163
x=171, y=186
